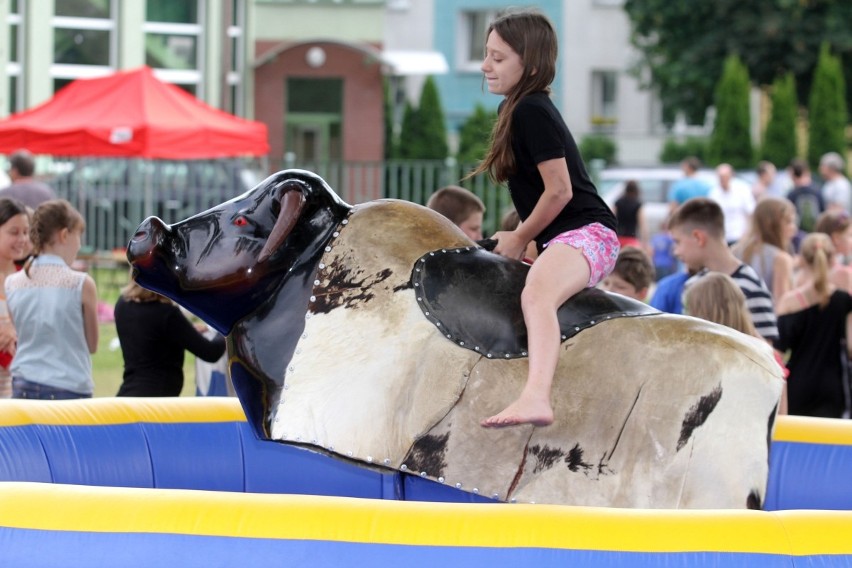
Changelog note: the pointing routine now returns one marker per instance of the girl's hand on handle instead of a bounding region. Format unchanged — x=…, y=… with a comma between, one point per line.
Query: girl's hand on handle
x=509, y=244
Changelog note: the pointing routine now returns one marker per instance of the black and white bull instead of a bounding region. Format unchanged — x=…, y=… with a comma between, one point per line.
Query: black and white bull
x=380, y=333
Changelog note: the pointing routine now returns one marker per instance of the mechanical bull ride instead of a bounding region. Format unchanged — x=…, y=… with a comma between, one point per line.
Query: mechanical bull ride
x=380, y=333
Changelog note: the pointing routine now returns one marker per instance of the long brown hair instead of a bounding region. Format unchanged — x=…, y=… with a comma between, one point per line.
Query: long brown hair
x=531, y=35
x=768, y=221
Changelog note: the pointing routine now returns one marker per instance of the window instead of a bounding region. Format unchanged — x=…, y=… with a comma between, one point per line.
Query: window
x=81, y=46
x=471, y=46
x=604, y=100
x=174, y=42
x=171, y=51
x=98, y=9
x=171, y=12
x=84, y=39
x=315, y=95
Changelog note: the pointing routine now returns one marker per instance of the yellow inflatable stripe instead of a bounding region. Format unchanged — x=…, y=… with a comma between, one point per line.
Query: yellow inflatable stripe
x=109, y=509
x=818, y=532
x=813, y=430
x=99, y=411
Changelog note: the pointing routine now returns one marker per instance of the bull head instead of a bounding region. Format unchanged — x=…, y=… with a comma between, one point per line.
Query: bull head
x=224, y=263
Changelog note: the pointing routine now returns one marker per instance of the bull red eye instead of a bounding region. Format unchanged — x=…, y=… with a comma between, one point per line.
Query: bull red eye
x=240, y=221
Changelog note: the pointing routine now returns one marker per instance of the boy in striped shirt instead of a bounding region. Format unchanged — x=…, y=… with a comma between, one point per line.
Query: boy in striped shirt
x=698, y=230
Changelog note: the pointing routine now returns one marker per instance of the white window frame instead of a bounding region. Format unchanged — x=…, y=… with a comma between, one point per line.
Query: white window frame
x=604, y=114
x=234, y=77
x=464, y=46
x=68, y=71
x=195, y=76
x=15, y=68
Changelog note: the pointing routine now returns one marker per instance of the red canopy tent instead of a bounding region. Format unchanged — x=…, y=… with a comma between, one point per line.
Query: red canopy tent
x=131, y=114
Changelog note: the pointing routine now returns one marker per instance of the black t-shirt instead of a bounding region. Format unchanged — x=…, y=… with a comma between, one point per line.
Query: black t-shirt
x=627, y=214
x=814, y=337
x=809, y=205
x=539, y=134
x=153, y=337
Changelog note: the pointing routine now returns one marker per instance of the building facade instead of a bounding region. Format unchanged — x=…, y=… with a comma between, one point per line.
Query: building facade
x=315, y=71
x=200, y=45
x=594, y=87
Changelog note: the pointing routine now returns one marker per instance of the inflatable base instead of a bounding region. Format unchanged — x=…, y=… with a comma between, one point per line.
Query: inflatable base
x=75, y=526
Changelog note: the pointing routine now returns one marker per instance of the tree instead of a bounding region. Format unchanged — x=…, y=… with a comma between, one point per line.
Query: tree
x=411, y=132
x=475, y=135
x=779, y=140
x=674, y=152
x=598, y=147
x=424, y=132
x=827, y=109
x=683, y=45
x=731, y=138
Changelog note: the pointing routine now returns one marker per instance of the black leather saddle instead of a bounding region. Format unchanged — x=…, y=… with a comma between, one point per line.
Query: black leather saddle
x=474, y=297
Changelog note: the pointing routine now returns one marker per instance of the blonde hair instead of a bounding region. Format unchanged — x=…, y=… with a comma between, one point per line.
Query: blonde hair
x=717, y=298
x=133, y=292
x=817, y=253
x=767, y=226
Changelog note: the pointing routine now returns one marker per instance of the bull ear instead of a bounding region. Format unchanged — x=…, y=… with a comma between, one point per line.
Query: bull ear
x=292, y=203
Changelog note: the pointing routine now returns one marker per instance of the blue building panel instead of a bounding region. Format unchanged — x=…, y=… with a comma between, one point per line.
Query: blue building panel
x=462, y=89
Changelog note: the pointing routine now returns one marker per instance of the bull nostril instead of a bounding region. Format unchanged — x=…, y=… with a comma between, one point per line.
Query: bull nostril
x=140, y=235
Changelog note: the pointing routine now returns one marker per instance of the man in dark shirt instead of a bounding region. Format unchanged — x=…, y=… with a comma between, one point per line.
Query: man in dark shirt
x=807, y=199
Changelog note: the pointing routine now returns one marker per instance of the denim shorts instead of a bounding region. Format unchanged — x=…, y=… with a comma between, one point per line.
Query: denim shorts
x=22, y=388
x=599, y=246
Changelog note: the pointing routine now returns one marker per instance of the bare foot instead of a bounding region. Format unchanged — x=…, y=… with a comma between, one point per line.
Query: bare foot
x=522, y=411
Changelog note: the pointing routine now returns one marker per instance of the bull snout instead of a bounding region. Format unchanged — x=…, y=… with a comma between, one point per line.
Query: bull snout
x=146, y=240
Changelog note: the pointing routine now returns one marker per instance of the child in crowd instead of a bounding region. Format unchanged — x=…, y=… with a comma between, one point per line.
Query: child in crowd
x=717, y=298
x=533, y=152
x=154, y=336
x=54, y=310
x=632, y=275
x=815, y=323
x=632, y=227
x=460, y=206
x=662, y=247
x=766, y=245
x=14, y=245
x=698, y=230
x=837, y=226
x=668, y=292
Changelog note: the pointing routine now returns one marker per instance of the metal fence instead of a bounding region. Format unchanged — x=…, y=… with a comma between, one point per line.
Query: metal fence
x=115, y=196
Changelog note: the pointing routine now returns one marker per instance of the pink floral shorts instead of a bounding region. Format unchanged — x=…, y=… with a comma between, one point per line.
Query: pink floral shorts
x=599, y=246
